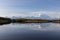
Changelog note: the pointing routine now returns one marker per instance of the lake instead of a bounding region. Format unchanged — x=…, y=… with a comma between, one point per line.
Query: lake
x=30, y=31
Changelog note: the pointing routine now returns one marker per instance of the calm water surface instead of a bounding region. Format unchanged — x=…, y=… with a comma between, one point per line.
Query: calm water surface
x=30, y=31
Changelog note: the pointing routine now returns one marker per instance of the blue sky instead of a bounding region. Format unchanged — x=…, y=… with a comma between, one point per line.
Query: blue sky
x=29, y=7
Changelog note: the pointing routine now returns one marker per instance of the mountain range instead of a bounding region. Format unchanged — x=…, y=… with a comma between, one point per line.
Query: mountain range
x=42, y=16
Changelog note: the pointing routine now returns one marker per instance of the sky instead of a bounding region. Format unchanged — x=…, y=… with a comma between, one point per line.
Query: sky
x=29, y=8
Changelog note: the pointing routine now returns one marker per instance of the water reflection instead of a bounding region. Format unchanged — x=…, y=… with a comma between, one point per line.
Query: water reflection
x=30, y=31
x=47, y=26
x=43, y=25
x=4, y=23
x=33, y=26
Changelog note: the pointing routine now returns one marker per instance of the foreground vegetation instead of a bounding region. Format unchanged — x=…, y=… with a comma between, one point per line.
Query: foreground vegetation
x=4, y=20
x=34, y=21
x=8, y=20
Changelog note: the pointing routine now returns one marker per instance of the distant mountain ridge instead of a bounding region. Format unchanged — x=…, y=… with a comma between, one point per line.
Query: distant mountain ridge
x=42, y=16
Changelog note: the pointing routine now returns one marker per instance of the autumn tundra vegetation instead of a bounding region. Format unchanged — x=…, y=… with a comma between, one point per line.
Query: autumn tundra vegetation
x=4, y=20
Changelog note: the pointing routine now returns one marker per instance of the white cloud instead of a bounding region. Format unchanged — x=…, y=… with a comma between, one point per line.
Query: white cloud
x=7, y=9
x=47, y=28
x=49, y=13
x=25, y=12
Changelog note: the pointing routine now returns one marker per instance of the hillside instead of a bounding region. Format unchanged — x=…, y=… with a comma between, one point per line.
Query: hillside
x=4, y=20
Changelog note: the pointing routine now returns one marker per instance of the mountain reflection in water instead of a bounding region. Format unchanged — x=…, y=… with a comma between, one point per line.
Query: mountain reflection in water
x=30, y=31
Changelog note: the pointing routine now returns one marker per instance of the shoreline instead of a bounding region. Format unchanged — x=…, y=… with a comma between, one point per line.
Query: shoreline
x=35, y=21
x=8, y=20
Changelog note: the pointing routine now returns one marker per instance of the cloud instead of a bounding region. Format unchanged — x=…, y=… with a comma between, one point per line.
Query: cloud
x=55, y=14
x=19, y=8
x=12, y=12
x=12, y=8
x=50, y=27
x=15, y=2
x=26, y=12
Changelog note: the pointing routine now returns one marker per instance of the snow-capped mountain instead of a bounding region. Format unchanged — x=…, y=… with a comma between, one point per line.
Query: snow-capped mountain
x=42, y=16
